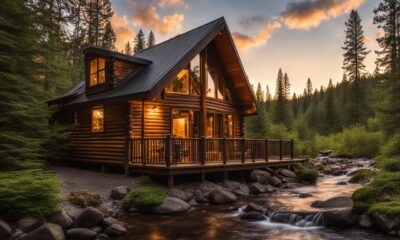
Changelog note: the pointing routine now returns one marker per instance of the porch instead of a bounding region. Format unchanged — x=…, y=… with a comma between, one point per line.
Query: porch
x=171, y=156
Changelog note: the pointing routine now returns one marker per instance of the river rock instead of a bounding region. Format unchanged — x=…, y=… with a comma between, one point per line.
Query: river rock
x=171, y=205
x=270, y=171
x=232, y=185
x=115, y=230
x=85, y=199
x=336, y=202
x=178, y=193
x=28, y=224
x=5, y=230
x=341, y=183
x=365, y=221
x=97, y=229
x=89, y=217
x=275, y=181
x=16, y=234
x=252, y=207
x=338, y=172
x=254, y=216
x=199, y=196
x=287, y=173
x=241, y=193
x=102, y=236
x=340, y=218
x=81, y=234
x=384, y=222
x=108, y=221
x=221, y=196
x=325, y=152
x=260, y=176
x=48, y=231
x=61, y=218
x=119, y=192
x=305, y=195
x=257, y=188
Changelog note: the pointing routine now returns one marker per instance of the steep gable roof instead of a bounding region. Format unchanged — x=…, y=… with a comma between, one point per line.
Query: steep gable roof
x=163, y=62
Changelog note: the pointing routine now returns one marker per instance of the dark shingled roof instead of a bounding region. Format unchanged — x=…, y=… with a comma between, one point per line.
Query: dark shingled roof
x=163, y=61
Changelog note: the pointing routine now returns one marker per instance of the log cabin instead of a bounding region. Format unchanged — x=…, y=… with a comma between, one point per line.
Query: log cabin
x=175, y=108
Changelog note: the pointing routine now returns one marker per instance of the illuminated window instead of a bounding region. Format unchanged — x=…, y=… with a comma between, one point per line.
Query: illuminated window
x=228, y=126
x=218, y=131
x=210, y=125
x=97, y=71
x=211, y=82
x=98, y=119
x=195, y=76
x=180, y=123
x=180, y=84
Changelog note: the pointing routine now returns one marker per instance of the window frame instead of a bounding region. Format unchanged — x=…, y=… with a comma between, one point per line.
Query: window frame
x=97, y=71
x=91, y=119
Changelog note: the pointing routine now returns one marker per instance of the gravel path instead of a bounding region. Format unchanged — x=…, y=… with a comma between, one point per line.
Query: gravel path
x=88, y=180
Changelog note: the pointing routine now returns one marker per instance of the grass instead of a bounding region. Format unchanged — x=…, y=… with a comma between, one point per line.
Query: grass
x=144, y=197
x=306, y=174
x=362, y=176
x=29, y=192
x=391, y=208
x=390, y=164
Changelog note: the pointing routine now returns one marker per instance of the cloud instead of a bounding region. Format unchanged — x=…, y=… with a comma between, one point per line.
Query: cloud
x=172, y=3
x=148, y=17
x=243, y=42
x=122, y=30
x=250, y=21
x=367, y=40
x=310, y=13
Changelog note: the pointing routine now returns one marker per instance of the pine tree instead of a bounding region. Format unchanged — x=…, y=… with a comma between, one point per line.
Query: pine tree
x=353, y=64
x=97, y=14
x=268, y=99
x=151, y=41
x=139, y=42
x=259, y=94
x=331, y=121
x=109, y=38
x=281, y=111
x=77, y=39
x=128, y=48
x=286, y=84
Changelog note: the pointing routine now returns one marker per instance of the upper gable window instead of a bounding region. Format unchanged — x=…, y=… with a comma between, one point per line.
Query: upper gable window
x=97, y=71
x=195, y=84
x=211, y=82
x=180, y=84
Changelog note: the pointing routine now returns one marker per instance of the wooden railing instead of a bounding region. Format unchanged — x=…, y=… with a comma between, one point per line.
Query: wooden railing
x=178, y=151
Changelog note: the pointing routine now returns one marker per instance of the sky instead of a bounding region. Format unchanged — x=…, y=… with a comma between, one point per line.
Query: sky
x=303, y=37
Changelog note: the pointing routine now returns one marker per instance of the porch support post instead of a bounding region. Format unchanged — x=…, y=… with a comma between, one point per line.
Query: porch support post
x=128, y=142
x=168, y=150
x=266, y=149
x=225, y=176
x=202, y=150
x=203, y=80
x=243, y=145
x=292, y=149
x=224, y=157
x=280, y=150
x=170, y=181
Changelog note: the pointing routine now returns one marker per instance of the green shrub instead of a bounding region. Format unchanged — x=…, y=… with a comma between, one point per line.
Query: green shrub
x=392, y=147
x=390, y=164
x=29, y=192
x=144, y=197
x=362, y=176
x=364, y=197
x=391, y=208
x=305, y=174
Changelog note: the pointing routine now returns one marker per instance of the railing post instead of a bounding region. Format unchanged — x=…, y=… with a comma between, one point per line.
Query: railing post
x=168, y=150
x=143, y=151
x=243, y=143
x=224, y=150
x=202, y=150
x=266, y=149
x=292, y=149
x=280, y=149
x=253, y=150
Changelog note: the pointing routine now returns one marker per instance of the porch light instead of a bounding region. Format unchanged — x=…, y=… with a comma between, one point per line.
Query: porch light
x=155, y=109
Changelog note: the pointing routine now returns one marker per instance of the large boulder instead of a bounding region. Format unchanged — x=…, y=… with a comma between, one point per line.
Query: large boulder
x=81, y=234
x=199, y=196
x=336, y=202
x=340, y=218
x=85, y=199
x=257, y=188
x=252, y=216
x=260, y=176
x=252, y=207
x=108, y=221
x=275, y=181
x=115, y=230
x=384, y=222
x=89, y=217
x=171, y=205
x=48, y=231
x=242, y=191
x=221, y=196
x=365, y=221
x=61, y=218
x=102, y=236
x=287, y=173
x=232, y=185
x=177, y=193
x=28, y=224
x=119, y=192
x=5, y=230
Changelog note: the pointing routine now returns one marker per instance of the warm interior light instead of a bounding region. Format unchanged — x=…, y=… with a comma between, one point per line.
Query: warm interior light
x=155, y=109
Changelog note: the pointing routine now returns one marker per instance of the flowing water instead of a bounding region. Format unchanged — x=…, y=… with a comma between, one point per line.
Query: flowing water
x=288, y=217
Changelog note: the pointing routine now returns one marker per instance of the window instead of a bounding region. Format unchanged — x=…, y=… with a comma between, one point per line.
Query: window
x=180, y=84
x=98, y=119
x=210, y=125
x=195, y=119
x=195, y=84
x=218, y=131
x=228, y=126
x=211, y=81
x=180, y=123
x=97, y=71
x=220, y=88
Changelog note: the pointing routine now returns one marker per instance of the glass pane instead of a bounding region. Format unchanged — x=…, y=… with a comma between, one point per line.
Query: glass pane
x=93, y=79
x=228, y=126
x=93, y=72
x=210, y=125
x=180, y=84
x=218, y=125
x=195, y=118
x=180, y=123
x=211, y=77
x=195, y=75
x=98, y=120
x=102, y=63
x=220, y=89
x=102, y=77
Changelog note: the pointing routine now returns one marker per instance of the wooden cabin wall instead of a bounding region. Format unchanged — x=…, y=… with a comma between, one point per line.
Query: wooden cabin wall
x=122, y=69
x=106, y=147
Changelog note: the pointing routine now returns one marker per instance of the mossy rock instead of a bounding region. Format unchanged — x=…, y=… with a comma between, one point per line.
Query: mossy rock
x=362, y=176
x=144, y=197
x=306, y=174
x=84, y=199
